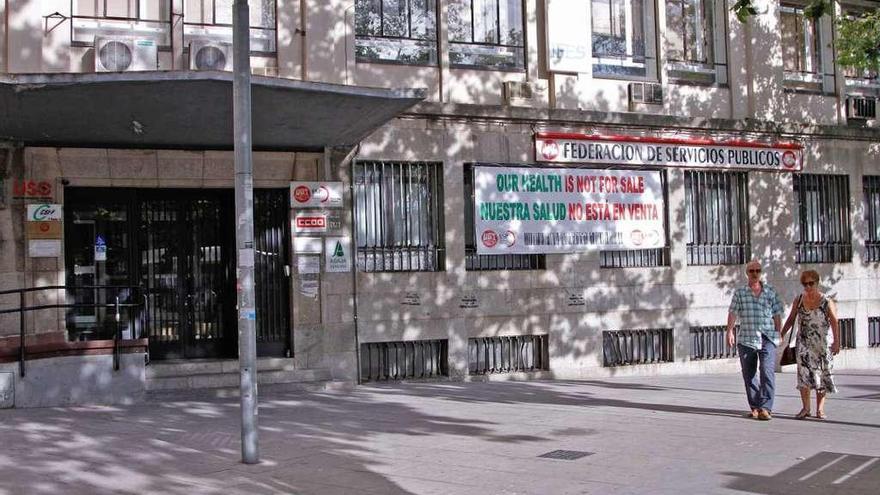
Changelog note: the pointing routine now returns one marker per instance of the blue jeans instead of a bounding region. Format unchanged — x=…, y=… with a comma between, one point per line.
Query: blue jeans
x=759, y=389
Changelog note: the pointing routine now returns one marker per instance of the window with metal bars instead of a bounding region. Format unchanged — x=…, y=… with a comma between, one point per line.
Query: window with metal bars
x=474, y=261
x=508, y=354
x=717, y=217
x=397, y=31
x=823, y=218
x=625, y=347
x=642, y=258
x=874, y=331
x=486, y=33
x=847, y=332
x=398, y=208
x=401, y=360
x=711, y=343
x=871, y=185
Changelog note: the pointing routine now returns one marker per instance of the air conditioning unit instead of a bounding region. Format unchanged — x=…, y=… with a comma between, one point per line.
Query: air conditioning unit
x=123, y=54
x=860, y=108
x=645, y=93
x=523, y=92
x=210, y=55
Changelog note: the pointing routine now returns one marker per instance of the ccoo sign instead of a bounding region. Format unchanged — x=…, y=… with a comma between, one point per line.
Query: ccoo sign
x=44, y=212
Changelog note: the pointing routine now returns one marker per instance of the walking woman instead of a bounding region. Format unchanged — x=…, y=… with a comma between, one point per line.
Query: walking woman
x=818, y=324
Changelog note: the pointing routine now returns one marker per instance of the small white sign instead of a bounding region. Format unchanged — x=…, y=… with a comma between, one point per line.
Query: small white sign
x=307, y=245
x=44, y=212
x=337, y=255
x=315, y=194
x=308, y=264
x=246, y=258
x=44, y=248
x=100, y=249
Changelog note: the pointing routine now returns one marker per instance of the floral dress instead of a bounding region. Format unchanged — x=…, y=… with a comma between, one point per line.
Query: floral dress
x=814, y=357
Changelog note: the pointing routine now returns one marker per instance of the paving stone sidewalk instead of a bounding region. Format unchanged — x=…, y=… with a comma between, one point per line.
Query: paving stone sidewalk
x=682, y=435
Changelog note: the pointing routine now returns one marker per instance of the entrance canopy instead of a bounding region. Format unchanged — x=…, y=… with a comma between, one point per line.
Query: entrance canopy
x=189, y=109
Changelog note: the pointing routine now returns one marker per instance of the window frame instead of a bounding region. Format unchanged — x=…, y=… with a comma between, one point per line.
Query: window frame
x=372, y=236
x=190, y=27
x=629, y=65
x=644, y=258
x=498, y=45
x=159, y=30
x=868, y=82
x=714, y=69
x=430, y=43
x=489, y=262
x=709, y=244
x=807, y=48
x=813, y=194
x=871, y=187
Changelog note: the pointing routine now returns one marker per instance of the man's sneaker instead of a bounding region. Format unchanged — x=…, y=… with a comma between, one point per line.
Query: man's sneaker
x=764, y=415
x=752, y=414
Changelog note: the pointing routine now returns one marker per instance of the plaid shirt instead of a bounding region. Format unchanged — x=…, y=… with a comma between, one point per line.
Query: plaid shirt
x=755, y=315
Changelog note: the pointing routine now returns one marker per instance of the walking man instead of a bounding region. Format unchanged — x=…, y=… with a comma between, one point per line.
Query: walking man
x=759, y=310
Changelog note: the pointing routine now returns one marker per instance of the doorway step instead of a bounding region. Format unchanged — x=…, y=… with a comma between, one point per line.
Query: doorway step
x=221, y=377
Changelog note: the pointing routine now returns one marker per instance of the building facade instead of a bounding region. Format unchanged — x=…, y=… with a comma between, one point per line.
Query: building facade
x=403, y=278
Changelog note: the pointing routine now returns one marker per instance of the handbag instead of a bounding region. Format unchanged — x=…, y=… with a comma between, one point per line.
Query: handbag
x=789, y=354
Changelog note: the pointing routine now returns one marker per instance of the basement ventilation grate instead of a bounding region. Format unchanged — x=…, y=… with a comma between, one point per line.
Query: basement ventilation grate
x=566, y=455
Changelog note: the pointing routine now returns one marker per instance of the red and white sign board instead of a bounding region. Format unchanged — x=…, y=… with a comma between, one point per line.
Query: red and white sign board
x=315, y=194
x=309, y=223
x=555, y=147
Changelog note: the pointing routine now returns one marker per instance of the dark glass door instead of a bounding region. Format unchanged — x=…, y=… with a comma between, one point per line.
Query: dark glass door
x=187, y=270
x=178, y=246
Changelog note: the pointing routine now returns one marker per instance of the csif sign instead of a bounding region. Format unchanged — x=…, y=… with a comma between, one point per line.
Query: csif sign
x=304, y=194
x=44, y=212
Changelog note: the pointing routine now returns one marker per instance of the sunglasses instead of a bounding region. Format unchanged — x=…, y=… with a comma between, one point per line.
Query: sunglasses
x=755, y=270
x=808, y=284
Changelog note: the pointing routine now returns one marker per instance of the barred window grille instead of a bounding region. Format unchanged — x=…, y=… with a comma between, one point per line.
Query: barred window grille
x=474, y=261
x=874, y=331
x=823, y=218
x=384, y=361
x=509, y=354
x=717, y=217
x=872, y=217
x=642, y=258
x=710, y=342
x=847, y=333
x=399, y=214
x=626, y=347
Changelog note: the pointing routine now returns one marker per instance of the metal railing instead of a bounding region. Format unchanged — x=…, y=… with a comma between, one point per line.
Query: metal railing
x=382, y=361
x=625, y=347
x=847, y=333
x=508, y=354
x=710, y=342
x=134, y=293
x=824, y=233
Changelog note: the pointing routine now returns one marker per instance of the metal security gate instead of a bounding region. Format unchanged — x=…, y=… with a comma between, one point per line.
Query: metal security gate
x=272, y=271
x=178, y=246
x=184, y=248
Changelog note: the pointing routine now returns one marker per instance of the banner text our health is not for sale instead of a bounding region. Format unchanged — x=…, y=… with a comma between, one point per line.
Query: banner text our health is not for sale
x=521, y=210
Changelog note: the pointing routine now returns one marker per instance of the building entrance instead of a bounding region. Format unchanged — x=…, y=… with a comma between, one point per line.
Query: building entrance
x=178, y=246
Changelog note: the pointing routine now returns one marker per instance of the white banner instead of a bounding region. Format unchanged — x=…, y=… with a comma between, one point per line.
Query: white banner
x=665, y=152
x=568, y=50
x=519, y=210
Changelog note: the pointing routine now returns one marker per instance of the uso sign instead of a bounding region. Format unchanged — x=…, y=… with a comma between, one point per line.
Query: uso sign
x=667, y=152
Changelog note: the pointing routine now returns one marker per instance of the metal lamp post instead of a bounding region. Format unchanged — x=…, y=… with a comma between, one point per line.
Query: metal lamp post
x=244, y=229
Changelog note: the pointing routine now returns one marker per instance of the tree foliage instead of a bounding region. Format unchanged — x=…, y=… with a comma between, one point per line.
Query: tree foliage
x=858, y=41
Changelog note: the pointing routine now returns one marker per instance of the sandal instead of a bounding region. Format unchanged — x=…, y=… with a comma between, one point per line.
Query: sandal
x=805, y=413
x=820, y=415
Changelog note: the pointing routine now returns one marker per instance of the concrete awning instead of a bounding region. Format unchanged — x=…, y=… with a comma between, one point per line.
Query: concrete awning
x=189, y=109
